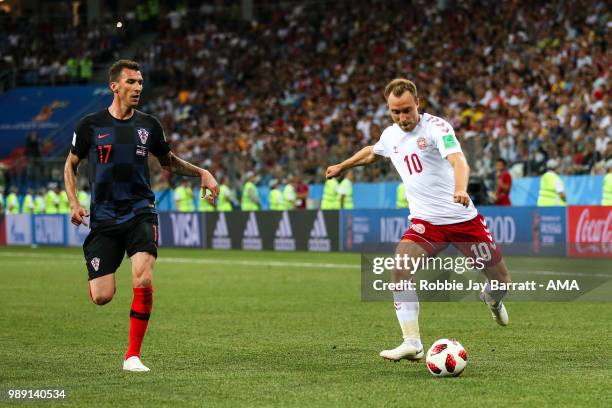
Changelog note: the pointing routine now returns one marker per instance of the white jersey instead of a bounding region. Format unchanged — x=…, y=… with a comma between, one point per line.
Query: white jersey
x=420, y=158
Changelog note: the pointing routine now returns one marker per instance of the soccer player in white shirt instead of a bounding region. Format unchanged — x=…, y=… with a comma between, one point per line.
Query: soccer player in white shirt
x=425, y=152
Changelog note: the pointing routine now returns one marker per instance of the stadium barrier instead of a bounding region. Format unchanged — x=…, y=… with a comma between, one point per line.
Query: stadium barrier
x=580, y=190
x=306, y=230
x=2, y=230
x=579, y=231
x=519, y=230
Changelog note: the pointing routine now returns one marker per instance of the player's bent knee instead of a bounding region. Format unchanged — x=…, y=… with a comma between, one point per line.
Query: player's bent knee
x=101, y=299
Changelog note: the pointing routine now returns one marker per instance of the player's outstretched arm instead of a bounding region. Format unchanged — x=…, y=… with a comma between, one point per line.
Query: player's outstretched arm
x=461, y=169
x=78, y=213
x=361, y=158
x=175, y=164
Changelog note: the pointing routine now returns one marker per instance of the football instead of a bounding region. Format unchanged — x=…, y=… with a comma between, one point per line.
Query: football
x=446, y=358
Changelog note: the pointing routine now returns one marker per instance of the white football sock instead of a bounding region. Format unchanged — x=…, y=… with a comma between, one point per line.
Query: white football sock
x=406, y=304
x=493, y=297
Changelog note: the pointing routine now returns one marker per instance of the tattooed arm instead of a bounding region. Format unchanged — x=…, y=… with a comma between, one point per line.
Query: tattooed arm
x=176, y=165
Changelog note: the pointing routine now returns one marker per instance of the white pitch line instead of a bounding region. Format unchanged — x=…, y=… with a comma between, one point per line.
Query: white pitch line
x=280, y=264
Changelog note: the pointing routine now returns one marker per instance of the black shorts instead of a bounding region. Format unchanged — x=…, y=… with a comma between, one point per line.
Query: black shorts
x=105, y=247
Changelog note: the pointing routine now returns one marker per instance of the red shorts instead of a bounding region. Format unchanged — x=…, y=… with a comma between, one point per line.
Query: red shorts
x=471, y=237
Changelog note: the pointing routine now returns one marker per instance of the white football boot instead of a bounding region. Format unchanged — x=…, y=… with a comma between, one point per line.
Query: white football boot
x=500, y=314
x=135, y=365
x=498, y=311
x=409, y=350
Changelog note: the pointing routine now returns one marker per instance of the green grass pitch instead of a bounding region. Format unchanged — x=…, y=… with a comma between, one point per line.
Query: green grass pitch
x=272, y=329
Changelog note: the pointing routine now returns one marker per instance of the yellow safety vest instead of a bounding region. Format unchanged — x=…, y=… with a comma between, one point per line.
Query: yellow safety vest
x=548, y=191
x=28, y=204
x=64, y=205
x=39, y=205
x=184, y=196
x=347, y=187
x=84, y=200
x=289, y=197
x=331, y=199
x=12, y=203
x=51, y=200
x=246, y=203
x=204, y=205
x=224, y=202
x=607, y=190
x=275, y=197
x=401, y=201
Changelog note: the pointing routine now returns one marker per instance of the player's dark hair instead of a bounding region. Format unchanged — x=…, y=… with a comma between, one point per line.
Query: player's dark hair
x=117, y=67
x=502, y=161
x=398, y=86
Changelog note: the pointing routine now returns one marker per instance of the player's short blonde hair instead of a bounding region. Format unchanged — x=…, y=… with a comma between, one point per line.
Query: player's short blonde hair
x=398, y=86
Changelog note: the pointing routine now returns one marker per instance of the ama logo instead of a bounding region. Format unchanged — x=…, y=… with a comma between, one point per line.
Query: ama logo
x=319, y=240
x=221, y=239
x=250, y=237
x=283, y=240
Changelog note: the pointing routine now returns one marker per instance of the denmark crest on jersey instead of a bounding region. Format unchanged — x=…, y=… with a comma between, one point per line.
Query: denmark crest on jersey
x=143, y=134
x=418, y=228
x=422, y=143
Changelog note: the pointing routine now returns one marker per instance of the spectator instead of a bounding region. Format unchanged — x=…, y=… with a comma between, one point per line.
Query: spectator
x=504, y=183
x=32, y=153
x=302, y=193
x=552, y=191
x=12, y=201
x=184, y=197
x=275, y=196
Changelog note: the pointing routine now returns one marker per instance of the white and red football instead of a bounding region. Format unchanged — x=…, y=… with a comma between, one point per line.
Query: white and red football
x=446, y=358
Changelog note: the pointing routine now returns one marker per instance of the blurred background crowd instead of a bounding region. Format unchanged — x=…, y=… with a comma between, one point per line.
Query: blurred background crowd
x=299, y=85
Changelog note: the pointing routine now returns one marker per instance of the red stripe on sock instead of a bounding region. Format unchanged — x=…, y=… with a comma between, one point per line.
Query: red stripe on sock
x=142, y=303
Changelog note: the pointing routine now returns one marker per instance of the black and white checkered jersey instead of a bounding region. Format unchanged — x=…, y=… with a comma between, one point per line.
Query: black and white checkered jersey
x=117, y=152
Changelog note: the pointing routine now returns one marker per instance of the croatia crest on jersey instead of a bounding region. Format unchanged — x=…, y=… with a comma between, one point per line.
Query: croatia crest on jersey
x=143, y=134
x=422, y=143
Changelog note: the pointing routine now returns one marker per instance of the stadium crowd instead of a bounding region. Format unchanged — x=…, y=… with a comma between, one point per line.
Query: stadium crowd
x=522, y=81
x=45, y=53
x=301, y=86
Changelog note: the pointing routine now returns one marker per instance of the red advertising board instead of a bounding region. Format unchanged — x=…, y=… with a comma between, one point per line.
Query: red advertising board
x=2, y=230
x=590, y=231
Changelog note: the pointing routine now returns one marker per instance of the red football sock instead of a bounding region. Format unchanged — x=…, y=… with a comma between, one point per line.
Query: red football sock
x=139, y=319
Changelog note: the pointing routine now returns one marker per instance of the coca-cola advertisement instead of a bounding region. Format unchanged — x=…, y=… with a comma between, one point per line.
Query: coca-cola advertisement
x=590, y=231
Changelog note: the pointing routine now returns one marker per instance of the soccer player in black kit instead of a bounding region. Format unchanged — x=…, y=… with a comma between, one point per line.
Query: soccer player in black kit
x=117, y=142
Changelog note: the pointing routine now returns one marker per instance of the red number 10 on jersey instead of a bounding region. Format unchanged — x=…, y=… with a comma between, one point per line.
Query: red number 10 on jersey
x=416, y=163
